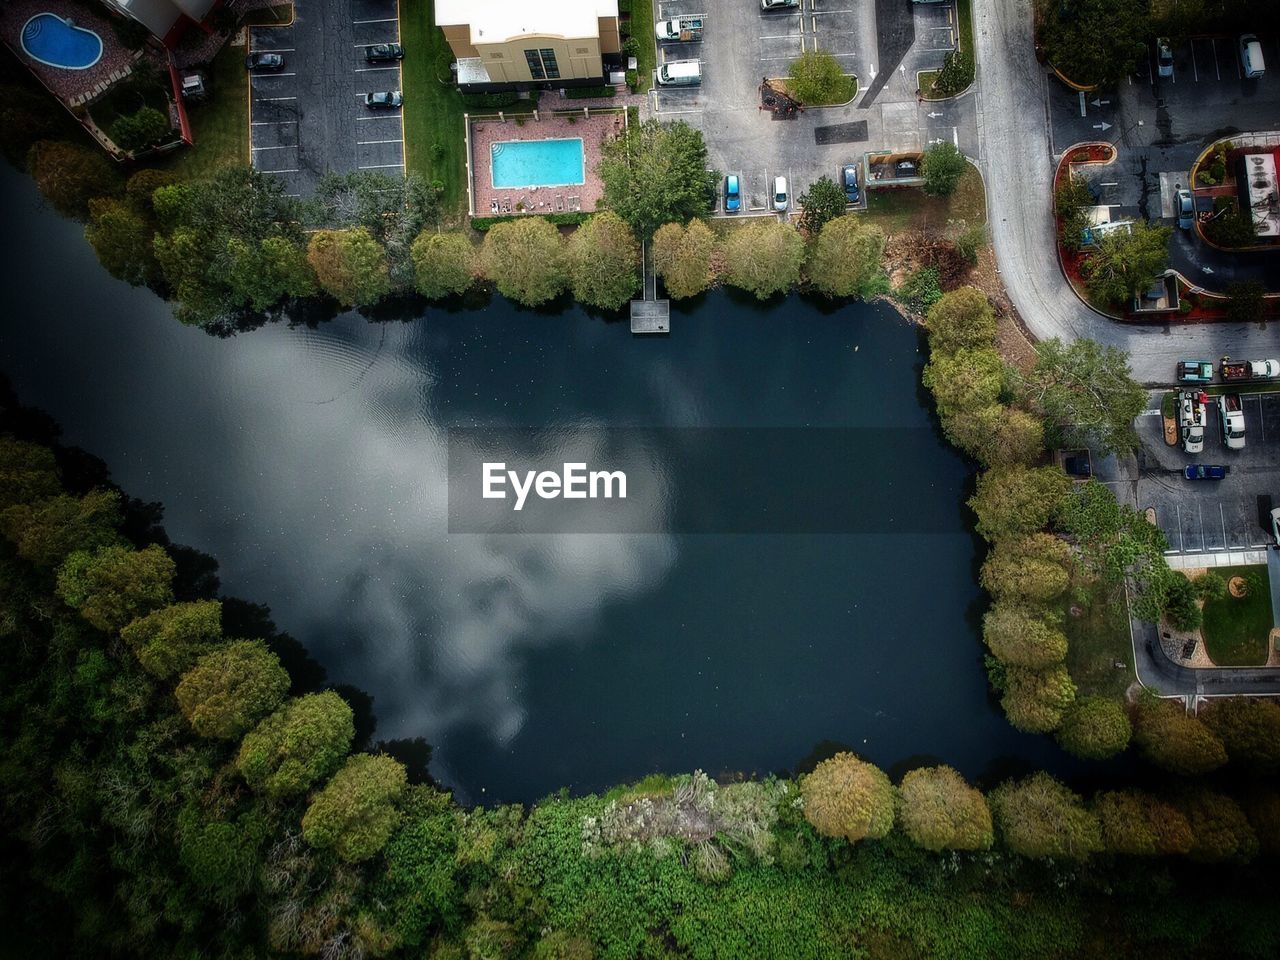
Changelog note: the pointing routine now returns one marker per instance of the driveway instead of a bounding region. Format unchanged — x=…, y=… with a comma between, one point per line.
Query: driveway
x=310, y=118
x=884, y=43
x=1015, y=156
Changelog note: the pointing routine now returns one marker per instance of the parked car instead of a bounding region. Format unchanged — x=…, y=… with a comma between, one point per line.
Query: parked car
x=1249, y=369
x=732, y=194
x=264, y=61
x=386, y=100
x=1232, y=415
x=1078, y=466
x=1251, y=57
x=780, y=199
x=1205, y=471
x=1164, y=57
x=849, y=177
x=1275, y=525
x=778, y=4
x=1186, y=207
x=1195, y=371
x=380, y=52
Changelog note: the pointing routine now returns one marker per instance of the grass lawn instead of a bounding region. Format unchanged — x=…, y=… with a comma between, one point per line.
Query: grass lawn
x=1097, y=640
x=434, y=140
x=220, y=125
x=642, y=20
x=965, y=29
x=1235, y=629
x=910, y=208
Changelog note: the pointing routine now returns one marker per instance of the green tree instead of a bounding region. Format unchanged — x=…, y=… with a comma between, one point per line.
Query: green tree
x=1024, y=636
x=956, y=74
x=657, y=173
x=603, y=259
x=1072, y=201
x=1210, y=585
x=1086, y=394
x=848, y=797
x=231, y=688
x=816, y=78
x=1093, y=41
x=1035, y=700
x=1180, y=607
x=269, y=271
x=1116, y=542
x=525, y=259
x=122, y=240
x=392, y=208
x=682, y=258
x=26, y=119
x=764, y=258
x=141, y=186
x=168, y=641
x=996, y=435
x=1123, y=264
x=1173, y=739
x=221, y=856
x=961, y=320
x=944, y=165
x=1040, y=817
x=937, y=810
x=350, y=265
x=1017, y=500
x=355, y=813
x=964, y=381
x=1138, y=824
x=302, y=742
x=1262, y=806
x=69, y=176
x=444, y=264
x=847, y=259
x=423, y=886
x=112, y=585
x=1094, y=728
x=821, y=203
x=27, y=472
x=1219, y=829
x=1032, y=568
x=1245, y=301
x=46, y=531
x=1249, y=729
x=137, y=131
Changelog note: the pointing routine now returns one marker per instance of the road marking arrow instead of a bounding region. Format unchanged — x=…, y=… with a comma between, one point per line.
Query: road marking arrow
x=1102, y=126
x=1101, y=103
x=935, y=116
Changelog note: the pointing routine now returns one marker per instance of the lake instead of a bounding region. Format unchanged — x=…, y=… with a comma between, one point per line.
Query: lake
x=313, y=464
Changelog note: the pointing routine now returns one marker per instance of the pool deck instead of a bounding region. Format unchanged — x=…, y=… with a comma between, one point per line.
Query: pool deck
x=72, y=87
x=488, y=200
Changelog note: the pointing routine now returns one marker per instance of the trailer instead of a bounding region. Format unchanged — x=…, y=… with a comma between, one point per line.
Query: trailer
x=1249, y=369
x=1195, y=371
x=680, y=29
x=1191, y=419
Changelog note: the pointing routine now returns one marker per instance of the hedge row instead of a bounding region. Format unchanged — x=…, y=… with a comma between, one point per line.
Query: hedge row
x=482, y=224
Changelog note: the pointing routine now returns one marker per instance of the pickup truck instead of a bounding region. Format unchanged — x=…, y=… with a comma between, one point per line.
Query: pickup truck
x=680, y=30
x=1232, y=420
x=1195, y=371
x=1191, y=420
x=1250, y=369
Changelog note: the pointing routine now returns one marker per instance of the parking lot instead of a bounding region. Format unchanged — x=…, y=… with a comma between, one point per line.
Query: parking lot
x=1160, y=125
x=883, y=43
x=1200, y=515
x=310, y=118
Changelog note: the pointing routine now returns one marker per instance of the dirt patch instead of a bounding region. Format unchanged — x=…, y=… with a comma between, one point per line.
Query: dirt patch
x=1239, y=587
x=1171, y=431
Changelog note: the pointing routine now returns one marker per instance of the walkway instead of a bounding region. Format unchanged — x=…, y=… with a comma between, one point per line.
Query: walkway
x=1015, y=159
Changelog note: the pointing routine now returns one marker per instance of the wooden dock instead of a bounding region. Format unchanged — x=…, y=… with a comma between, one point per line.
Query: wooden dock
x=650, y=315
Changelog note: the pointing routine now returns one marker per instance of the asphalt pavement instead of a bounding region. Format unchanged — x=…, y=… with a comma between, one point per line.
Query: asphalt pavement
x=1015, y=157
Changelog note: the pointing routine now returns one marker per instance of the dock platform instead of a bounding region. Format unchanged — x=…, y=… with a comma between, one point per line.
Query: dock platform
x=650, y=315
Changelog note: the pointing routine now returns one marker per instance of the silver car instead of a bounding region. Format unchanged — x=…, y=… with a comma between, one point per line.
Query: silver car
x=1164, y=58
x=1186, y=207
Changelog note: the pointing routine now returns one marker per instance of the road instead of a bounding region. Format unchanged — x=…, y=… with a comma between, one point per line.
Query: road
x=1159, y=673
x=1018, y=169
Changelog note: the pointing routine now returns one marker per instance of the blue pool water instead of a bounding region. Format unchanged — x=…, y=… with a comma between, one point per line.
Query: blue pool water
x=538, y=163
x=60, y=43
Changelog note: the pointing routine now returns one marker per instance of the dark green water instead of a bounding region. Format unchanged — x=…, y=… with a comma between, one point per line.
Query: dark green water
x=311, y=463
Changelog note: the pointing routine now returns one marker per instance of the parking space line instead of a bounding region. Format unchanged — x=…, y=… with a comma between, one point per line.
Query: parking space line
x=1182, y=543
x=287, y=146
x=381, y=166
x=1222, y=514
x=374, y=69
x=364, y=143
x=1200, y=512
x=1213, y=45
x=273, y=99
x=383, y=20
x=376, y=116
x=286, y=170
x=269, y=123
x=274, y=50
x=1194, y=69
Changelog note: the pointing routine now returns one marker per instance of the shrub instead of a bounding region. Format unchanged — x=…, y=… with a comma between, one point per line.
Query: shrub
x=943, y=167
x=140, y=130
x=588, y=93
x=485, y=224
x=847, y=797
x=956, y=74
x=815, y=77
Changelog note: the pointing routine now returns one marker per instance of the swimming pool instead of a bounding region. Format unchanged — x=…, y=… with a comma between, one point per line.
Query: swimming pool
x=55, y=42
x=538, y=163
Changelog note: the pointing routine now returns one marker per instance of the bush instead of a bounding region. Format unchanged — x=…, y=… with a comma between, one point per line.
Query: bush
x=943, y=167
x=1210, y=586
x=588, y=93
x=490, y=101
x=485, y=224
x=1180, y=607
x=140, y=130
x=956, y=74
x=816, y=78
x=920, y=291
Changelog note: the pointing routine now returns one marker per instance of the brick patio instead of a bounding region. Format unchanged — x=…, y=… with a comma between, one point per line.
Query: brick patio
x=489, y=200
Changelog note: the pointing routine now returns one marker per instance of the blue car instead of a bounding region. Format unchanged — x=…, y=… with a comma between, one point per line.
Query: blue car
x=1205, y=471
x=1195, y=371
x=849, y=177
x=732, y=195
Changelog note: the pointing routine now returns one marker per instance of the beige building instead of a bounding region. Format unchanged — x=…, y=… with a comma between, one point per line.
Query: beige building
x=512, y=44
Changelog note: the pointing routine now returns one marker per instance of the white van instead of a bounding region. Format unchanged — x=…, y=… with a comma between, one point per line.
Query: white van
x=780, y=200
x=680, y=73
x=1251, y=57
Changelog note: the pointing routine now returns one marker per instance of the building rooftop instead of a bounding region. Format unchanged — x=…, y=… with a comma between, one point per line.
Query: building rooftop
x=494, y=21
